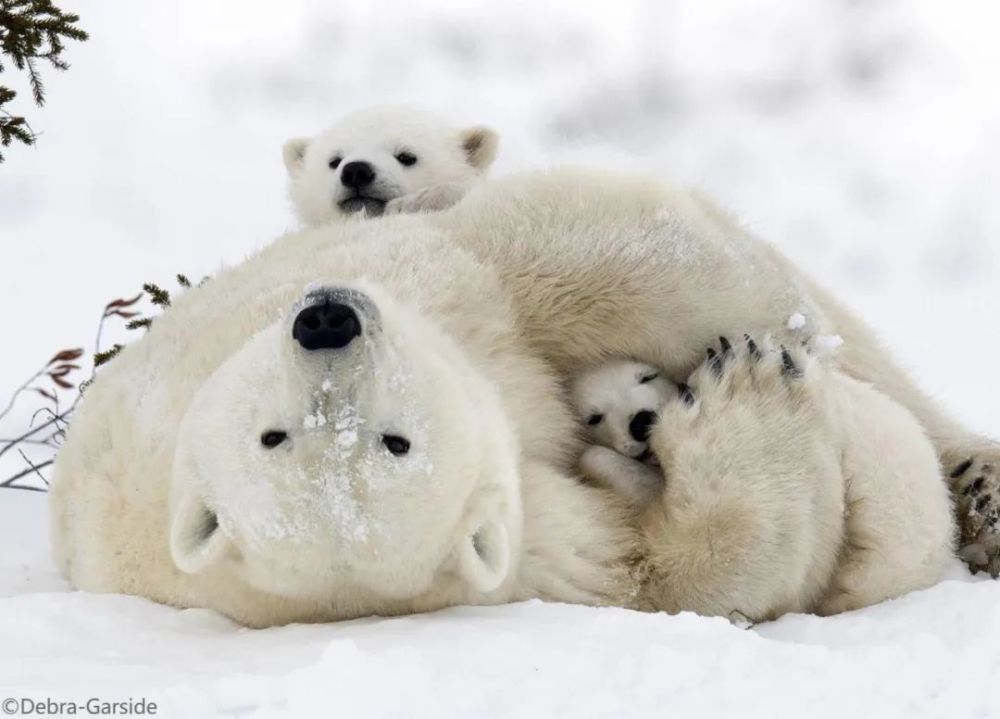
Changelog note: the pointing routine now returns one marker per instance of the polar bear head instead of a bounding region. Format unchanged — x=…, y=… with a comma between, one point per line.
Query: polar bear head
x=376, y=155
x=350, y=455
x=619, y=402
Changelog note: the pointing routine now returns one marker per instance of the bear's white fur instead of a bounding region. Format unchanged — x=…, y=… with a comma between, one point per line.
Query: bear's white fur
x=480, y=312
x=446, y=163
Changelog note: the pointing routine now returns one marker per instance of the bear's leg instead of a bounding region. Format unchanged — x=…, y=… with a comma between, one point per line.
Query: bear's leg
x=965, y=456
x=899, y=531
x=750, y=520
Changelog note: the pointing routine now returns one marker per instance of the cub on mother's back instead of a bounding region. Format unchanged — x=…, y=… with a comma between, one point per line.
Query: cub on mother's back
x=388, y=159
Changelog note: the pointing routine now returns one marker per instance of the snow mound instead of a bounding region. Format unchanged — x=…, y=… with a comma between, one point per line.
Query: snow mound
x=930, y=654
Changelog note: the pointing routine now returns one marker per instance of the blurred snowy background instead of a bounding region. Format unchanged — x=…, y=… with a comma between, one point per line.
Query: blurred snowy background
x=862, y=136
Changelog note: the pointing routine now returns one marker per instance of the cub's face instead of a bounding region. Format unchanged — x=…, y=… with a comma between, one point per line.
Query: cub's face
x=377, y=155
x=619, y=402
x=348, y=454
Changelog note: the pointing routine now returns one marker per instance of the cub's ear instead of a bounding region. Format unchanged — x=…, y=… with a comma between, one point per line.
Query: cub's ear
x=293, y=152
x=484, y=557
x=480, y=145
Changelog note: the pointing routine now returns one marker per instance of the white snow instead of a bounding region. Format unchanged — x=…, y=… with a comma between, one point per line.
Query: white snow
x=827, y=343
x=931, y=654
x=796, y=322
x=314, y=420
x=861, y=138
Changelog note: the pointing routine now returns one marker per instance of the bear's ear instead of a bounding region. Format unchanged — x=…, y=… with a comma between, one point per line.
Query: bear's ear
x=293, y=152
x=196, y=542
x=484, y=557
x=480, y=146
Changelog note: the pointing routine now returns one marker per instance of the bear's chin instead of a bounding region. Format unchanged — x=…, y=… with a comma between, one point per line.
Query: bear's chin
x=372, y=206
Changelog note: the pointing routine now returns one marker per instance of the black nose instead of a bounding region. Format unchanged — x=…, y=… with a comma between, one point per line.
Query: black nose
x=641, y=424
x=326, y=326
x=357, y=175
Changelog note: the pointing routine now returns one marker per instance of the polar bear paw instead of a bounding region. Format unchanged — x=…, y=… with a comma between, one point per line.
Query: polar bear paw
x=975, y=485
x=751, y=389
x=753, y=365
x=749, y=435
x=429, y=199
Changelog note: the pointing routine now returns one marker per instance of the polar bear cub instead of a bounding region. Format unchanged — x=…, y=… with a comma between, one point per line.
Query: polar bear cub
x=385, y=160
x=619, y=402
x=868, y=522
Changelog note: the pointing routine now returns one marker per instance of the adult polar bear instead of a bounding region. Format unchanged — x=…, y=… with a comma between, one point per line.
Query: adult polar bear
x=422, y=465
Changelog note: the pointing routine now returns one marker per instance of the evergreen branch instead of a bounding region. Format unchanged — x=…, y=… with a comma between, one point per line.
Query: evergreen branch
x=107, y=355
x=31, y=30
x=157, y=295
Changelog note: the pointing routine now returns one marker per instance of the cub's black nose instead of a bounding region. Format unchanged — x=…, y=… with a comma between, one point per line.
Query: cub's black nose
x=641, y=424
x=357, y=175
x=326, y=326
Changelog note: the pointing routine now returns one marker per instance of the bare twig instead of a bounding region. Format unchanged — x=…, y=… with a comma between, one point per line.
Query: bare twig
x=34, y=467
x=11, y=482
x=32, y=432
x=51, y=432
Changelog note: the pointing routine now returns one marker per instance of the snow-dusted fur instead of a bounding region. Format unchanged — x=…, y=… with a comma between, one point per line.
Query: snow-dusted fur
x=473, y=316
x=417, y=163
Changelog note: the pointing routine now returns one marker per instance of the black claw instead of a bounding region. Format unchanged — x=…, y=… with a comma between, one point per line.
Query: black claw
x=961, y=469
x=687, y=396
x=978, y=484
x=752, y=346
x=788, y=366
x=715, y=362
x=726, y=347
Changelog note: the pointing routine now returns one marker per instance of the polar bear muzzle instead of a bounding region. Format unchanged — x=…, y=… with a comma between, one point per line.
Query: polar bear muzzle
x=326, y=324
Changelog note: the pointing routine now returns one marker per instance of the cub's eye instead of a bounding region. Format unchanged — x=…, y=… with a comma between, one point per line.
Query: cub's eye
x=395, y=444
x=335, y=163
x=407, y=158
x=649, y=378
x=594, y=419
x=272, y=438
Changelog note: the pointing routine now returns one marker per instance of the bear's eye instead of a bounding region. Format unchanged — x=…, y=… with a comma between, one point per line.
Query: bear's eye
x=395, y=444
x=335, y=163
x=272, y=438
x=649, y=378
x=594, y=419
x=407, y=158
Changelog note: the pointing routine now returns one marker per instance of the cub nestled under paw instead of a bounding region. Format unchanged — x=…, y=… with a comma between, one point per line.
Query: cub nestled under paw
x=619, y=402
x=752, y=487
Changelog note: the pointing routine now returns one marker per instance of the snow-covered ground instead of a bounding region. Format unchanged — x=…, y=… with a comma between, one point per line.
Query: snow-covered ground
x=863, y=137
x=931, y=654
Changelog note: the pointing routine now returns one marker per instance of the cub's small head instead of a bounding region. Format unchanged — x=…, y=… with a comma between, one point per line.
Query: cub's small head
x=349, y=455
x=376, y=155
x=619, y=403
